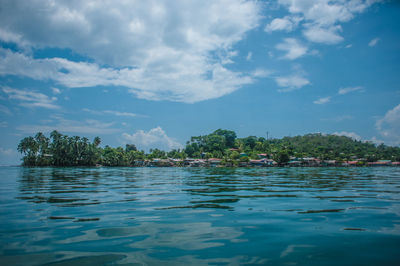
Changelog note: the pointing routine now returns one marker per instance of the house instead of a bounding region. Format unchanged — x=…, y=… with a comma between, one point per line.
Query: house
x=262, y=155
x=295, y=163
x=176, y=162
x=330, y=163
x=244, y=164
x=385, y=162
x=310, y=161
x=380, y=163
x=270, y=162
x=350, y=163
x=214, y=162
x=257, y=162
x=161, y=163
x=187, y=161
x=198, y=163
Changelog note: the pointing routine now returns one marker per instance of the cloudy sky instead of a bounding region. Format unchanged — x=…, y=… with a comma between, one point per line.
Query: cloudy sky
x=156, y=72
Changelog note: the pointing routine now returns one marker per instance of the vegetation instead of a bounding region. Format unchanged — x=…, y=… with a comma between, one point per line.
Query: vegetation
x=62, y=150
x=59, y=150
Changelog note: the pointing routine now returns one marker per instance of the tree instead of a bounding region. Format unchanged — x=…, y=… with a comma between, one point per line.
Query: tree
x=130, y=147
x=62, y=150
x=235, y=155
x=215, y=143
x=29, y=147
x=282, y=157
x=43, y=157
x=249, y=142
x=96, y=141
x=56, y=147
x=229, y=135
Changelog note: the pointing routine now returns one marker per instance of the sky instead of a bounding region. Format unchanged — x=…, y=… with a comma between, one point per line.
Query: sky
x=154, y=73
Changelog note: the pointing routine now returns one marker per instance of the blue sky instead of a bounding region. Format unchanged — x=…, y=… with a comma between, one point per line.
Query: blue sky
x=155, y=73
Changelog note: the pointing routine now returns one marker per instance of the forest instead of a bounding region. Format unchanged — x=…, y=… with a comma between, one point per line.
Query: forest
x=64, y=150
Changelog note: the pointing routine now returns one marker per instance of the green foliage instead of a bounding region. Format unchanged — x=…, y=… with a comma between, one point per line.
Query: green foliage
x=215, y=143
x=59, y=150
x=282, y=157
x=229, y=136
x=245, y=159
x=63, y=150
x=235, y=155
x=130, y=147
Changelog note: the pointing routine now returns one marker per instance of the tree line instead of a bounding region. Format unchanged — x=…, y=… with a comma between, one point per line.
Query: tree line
x=63, y=150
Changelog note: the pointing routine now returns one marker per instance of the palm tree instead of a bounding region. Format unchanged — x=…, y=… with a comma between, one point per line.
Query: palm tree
x=29, y=147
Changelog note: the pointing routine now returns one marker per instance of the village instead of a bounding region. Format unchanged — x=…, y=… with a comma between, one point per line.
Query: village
x=263, y=161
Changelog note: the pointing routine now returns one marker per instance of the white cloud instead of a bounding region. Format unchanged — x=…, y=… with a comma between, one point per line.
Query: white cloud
x=261, y=73
x=373, y=42
x=146, y=85
x=154, y=138
x=346, y=90
x=6, y=151
x=389, y=126
x=327, y=35
x=31, y=99
x=4, y=109
x=322, y=18
x=348, y=46
x=348, y=134
x=375, y=140
x=7, y=36
x=3, y=124
x=293, y=48
x=120, y=113
x=160, y=50
x=70, y=126
x=9, y=156
x=292, y=82
x=286, y=23
x=323, y=100
x=111, y=112
x=56, y=90
x=249, y=56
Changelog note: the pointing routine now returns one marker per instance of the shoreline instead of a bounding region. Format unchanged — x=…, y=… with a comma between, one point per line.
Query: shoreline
x=229, y=167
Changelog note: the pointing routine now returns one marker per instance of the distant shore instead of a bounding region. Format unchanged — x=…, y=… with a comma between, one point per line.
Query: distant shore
x=222, y=148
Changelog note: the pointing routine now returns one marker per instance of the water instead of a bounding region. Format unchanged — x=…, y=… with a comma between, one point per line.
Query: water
x=188, y=216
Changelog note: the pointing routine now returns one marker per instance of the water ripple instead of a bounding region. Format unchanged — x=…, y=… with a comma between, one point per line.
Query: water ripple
x=199, y=216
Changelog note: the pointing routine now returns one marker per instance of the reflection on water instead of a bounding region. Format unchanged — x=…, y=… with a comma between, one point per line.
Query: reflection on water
x=199, y=216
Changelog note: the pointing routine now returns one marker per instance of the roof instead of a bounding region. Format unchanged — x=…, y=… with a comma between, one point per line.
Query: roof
x=308, y=159
x=381, y=162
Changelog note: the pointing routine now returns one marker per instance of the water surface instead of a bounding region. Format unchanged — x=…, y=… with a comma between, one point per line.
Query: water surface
x=199, y=216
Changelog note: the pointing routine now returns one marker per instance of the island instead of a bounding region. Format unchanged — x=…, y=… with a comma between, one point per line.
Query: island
x=221, y=148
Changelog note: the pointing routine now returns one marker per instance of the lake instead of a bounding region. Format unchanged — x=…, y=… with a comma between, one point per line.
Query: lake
x=199, y=216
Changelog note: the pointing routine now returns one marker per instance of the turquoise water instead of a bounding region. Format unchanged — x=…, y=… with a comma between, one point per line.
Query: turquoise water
x=189, y=216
